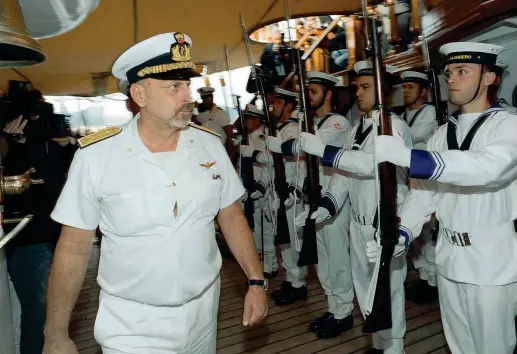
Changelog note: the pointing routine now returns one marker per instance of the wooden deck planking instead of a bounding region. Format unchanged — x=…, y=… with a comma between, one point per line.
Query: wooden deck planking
x=284, y=330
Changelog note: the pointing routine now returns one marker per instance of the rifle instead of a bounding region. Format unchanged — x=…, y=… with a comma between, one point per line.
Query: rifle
x=379, y=318
x=282, y=228
x=309, y=251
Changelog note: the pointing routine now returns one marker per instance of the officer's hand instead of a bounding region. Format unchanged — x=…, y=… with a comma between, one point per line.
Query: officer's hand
x=255, y=306
x=59, y=346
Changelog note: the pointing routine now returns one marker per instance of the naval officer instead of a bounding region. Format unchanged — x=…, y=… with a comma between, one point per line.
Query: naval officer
x=154, y=186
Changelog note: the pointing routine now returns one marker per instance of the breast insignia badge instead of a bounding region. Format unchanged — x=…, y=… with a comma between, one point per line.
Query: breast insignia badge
x=207, y=164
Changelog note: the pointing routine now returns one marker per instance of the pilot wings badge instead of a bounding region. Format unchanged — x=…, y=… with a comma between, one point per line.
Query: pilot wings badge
x=207, y=165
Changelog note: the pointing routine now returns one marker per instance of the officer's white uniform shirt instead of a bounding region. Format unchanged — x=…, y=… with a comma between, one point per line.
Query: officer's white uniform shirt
x=423, y=126
x=476, y=194
x=149, y=255
x=215, y=119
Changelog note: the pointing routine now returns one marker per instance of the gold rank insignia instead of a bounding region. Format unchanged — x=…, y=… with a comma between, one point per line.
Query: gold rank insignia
x=98, y=136
x=197, y=126
x=180, y=51
x=207, y=164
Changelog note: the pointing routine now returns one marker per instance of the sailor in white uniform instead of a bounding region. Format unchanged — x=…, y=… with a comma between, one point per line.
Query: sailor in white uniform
x=333, y=243
x=468, y=177
x=264, y=214
x=154, y=186
x=294, y=287
x=356, y=158
x=421, y=118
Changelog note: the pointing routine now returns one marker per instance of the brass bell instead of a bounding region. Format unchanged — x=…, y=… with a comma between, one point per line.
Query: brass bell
x=18, y=48
x=18, y=184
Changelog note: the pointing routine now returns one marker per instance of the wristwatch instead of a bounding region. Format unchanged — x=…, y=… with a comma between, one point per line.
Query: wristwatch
x=255, y=282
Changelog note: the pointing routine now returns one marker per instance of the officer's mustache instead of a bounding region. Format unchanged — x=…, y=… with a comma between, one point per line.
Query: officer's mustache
x=186, y=107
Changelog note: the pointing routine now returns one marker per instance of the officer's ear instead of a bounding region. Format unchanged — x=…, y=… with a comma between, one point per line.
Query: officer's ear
x=138, y=94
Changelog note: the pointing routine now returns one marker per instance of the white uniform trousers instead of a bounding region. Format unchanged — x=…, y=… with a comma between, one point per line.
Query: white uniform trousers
x=478, y=319
x=334, y=268
x=294, y=274
x=424, y=262
x=391, y=340
x=262, y=224
x=128, y=327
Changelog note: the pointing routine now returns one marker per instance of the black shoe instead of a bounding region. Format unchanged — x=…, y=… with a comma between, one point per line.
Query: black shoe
x=292, y=295
x=374, y=351
x=334, y=328
x=271, y=274
x=319, y=322
x=284, y=288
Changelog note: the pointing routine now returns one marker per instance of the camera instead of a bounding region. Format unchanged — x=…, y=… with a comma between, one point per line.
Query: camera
x=42, y=122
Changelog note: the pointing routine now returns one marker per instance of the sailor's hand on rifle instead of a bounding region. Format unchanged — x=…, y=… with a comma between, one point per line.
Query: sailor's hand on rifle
x=246, y=151
x=256, y=195
x=321, y=214
x=274, y=144
x=372, y=249
x=276, y=202
x=311, y=144
x=244, y=197
x=289, y=201
x=392, y=149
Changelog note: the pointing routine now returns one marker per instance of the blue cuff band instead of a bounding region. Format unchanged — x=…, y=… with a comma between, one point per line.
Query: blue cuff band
x=407, y=234
x=289, y=147
x=331, y=156
x=330, y=203
x=425, y=164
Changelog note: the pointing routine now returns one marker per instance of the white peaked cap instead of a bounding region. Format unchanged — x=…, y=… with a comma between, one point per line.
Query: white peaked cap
x=415, y=75
x=365, y=67
x=317, y=77
x=471, y=52
x=285, y=94
x=252, y=110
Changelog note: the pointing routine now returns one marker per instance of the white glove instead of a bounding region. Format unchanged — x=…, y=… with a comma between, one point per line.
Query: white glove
x=392, y=149
x=319, y=215
x=372, y=249
x=256, y=195
x=311, y=144
x=289, y=201
x=246, y=151
x=274, y=144
x=244, y=197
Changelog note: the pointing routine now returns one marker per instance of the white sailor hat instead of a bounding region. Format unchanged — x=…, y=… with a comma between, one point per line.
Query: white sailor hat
x=165, y=56
x=205, y=91
x=415, y=76
x=123, y=87
x=317, y=77
x=365, y=68
x=471, y=52
x=253, y=111
x=286, y=95
x=500, y=67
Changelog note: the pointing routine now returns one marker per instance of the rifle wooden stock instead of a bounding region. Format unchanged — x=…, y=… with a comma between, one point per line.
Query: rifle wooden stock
x=248, y=180
x=309, y=251
x=380, y=316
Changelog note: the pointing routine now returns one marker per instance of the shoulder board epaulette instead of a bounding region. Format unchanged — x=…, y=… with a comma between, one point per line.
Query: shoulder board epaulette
x=98, y=136
x=200, y=127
